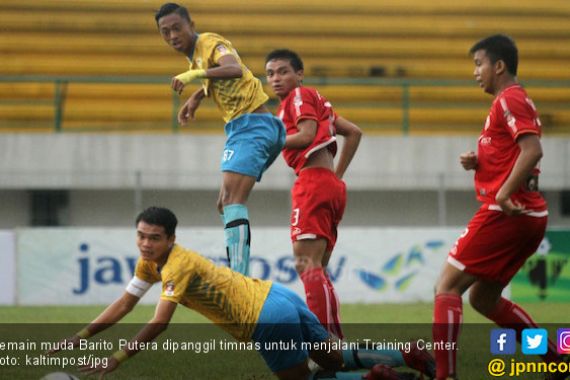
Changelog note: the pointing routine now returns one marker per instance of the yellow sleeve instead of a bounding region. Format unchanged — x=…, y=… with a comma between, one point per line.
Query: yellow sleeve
x=146, y=271
x=145, y=275
x=175, y=283
x=222, y=49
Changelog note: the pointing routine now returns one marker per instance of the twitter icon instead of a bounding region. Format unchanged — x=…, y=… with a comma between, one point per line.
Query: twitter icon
x=534, y=341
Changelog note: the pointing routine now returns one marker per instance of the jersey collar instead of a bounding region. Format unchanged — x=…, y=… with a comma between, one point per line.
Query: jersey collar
x=191, y=55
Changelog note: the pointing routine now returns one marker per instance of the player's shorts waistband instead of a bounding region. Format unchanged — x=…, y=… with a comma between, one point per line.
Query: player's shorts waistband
x=316, y=169
x=536, y=214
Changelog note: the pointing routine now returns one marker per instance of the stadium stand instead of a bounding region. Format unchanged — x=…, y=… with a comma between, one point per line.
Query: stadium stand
x=369, y=41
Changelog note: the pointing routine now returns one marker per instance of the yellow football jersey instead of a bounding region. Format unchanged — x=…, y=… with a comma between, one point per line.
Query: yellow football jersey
x=227, y=298
x=234, y=97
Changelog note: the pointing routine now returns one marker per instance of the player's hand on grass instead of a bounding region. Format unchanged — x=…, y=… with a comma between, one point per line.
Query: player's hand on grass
x=101, y=369
x=64, y=343
x=468, y=160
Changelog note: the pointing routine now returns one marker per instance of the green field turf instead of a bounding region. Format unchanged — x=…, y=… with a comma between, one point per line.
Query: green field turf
x=351, y=313
x=374, y=322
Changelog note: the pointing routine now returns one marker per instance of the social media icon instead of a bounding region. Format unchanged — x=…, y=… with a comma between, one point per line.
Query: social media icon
x=563, y=346
x=503, y=341
x=534, y=341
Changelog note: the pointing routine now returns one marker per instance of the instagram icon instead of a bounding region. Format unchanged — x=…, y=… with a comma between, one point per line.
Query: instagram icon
x=563, y=341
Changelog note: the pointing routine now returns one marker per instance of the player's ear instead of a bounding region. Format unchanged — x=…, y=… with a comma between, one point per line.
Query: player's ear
x=500, y=67
x=300, y=75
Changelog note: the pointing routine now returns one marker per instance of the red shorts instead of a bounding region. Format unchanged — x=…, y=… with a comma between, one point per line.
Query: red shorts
x=494, y=245
x=318, y=199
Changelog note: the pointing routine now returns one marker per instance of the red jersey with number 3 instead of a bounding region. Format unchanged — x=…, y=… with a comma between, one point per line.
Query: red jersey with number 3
x=306, y=103
x=512, y=115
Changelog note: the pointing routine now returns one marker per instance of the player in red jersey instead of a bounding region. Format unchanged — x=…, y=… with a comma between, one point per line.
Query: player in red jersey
x=511, y=222
x=319, y=194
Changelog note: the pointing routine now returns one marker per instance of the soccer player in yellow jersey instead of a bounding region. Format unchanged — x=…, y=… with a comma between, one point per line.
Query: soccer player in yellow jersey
x=254, y=136
x=249, y=309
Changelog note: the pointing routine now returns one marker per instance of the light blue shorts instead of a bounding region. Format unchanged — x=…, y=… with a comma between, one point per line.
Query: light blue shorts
x=286, y=319
x=254, y=141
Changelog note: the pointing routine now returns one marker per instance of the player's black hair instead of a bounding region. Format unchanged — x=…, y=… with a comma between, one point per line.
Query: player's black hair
x=168, y=8
x=159, y=216
x=499, y=47
x=290, y=55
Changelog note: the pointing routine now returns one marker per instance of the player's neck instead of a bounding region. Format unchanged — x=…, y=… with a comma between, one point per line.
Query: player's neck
x=504, y=84
x=190, y=51
x=163, y=259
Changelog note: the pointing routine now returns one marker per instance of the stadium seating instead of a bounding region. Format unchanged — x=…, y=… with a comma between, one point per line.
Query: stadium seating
x=406, y=40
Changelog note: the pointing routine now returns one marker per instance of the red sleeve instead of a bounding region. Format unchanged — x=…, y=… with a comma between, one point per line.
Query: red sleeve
x=304, y=105
x=519, y=115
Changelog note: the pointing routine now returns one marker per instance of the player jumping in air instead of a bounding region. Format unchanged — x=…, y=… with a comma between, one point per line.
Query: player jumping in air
x=254, y=136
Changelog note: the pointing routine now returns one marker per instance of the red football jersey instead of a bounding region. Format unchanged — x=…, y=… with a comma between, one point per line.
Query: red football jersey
x=306, y=103
x=512, y=114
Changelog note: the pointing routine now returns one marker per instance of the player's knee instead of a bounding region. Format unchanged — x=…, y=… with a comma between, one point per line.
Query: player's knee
x=482, y=305
x=442, y=288
x=300, y=267
x=305, y=263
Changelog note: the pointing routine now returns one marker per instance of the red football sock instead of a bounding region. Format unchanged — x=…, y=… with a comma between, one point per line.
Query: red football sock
x=317, y=293
x=447, y=319
x=510, y=315
x=336, y=328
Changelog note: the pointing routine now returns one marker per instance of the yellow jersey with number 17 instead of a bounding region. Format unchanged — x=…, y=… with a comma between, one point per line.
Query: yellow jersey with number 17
x=234, y=97
x=225, y=297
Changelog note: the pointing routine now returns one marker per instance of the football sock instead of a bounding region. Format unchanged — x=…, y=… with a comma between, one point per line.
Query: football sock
x=317, y=294
x=361, y=358
x=238, y=237
x=334, y=305
x=510, y=315
x=447, y=318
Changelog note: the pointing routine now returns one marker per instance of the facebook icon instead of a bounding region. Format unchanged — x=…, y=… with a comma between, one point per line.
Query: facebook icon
x=503, y=341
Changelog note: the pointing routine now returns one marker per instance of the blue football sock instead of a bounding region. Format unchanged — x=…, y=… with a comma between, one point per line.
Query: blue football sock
x=361, y=358
x=238, y=237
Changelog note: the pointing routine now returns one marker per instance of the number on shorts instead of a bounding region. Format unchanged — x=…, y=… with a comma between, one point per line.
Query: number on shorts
x=295, y=217
x=228, y=154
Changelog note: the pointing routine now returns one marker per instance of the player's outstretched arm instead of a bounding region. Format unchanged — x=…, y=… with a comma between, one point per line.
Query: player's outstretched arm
x=111, y=315
x=352, y=135
x=181, y=80
x=227, y=68
x=531, y=153
x=164, y=311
